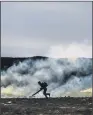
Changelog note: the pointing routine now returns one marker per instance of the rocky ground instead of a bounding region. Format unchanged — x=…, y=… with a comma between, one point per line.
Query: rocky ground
x=51, y=106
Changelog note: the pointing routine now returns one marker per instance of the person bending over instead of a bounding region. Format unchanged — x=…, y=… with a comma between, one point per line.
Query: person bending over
x=43, y=86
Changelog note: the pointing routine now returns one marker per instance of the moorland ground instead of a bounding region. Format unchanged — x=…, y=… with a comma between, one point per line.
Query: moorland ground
x=42, y=106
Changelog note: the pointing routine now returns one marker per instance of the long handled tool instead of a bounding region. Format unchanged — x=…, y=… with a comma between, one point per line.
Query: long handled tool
x=36, y=92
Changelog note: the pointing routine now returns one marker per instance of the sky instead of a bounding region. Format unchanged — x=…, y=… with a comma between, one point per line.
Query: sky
x=47, y=29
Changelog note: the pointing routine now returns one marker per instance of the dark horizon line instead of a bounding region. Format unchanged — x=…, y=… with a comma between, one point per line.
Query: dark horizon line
x=38, y=56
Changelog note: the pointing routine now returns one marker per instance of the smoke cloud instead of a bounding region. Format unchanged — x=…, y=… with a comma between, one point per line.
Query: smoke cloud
x=74, y=50
x=64, y=77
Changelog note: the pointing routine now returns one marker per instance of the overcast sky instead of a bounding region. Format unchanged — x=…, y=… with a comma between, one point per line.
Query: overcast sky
x=48, y=29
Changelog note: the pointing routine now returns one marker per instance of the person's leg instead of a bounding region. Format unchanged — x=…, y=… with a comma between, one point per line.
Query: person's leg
x=48, y=94
x=44, y=92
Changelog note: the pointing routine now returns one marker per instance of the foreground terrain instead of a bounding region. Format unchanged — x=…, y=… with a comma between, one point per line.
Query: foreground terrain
x=42, y=106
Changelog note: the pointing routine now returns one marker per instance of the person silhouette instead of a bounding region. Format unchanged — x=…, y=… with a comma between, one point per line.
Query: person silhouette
x=43, y=86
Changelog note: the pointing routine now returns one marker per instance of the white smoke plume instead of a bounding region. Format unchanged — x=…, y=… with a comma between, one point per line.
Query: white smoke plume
x=74, y=50
x=64, y=77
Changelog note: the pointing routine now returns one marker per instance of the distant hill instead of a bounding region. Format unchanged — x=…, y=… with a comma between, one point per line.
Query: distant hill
x=6, y=62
